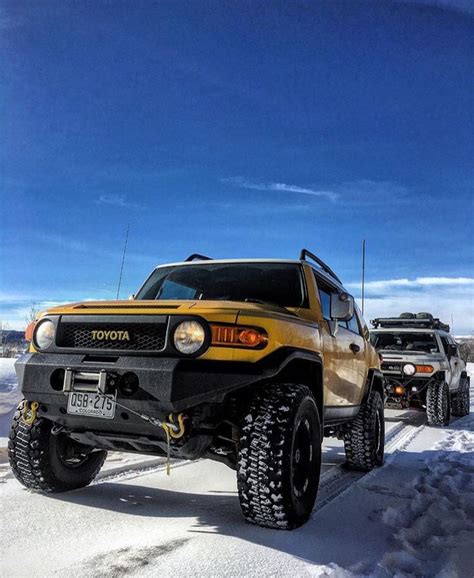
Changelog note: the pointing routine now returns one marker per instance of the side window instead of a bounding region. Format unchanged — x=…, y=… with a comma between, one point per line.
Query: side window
x=325, y=291
x=455, y=345
x=325, y=298
x=362, y=324
x=445, y=342
x=353, y=325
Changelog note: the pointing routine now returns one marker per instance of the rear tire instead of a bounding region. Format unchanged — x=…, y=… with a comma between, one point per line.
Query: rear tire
x=438, y=407
x=460, y=403
x=280, y=457
x=49, y=463
x=364, y=438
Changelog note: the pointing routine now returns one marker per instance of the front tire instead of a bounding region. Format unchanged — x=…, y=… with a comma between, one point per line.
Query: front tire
x=364, y=438
x=438, y=407
x=280, y=457
x=49, y=463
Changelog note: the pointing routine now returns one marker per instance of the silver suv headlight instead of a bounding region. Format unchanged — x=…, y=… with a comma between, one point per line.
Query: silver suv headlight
x=189, y=337
x=43, y=336
x=409, y=369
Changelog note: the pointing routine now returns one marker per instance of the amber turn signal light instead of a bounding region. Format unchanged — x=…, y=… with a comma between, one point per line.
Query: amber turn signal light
x=424, y=368
x=29, y=331
x=399, y=390
x=236, y=336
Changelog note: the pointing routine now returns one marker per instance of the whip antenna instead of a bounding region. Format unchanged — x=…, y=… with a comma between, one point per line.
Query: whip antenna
x=123, y=261
x=363, y=275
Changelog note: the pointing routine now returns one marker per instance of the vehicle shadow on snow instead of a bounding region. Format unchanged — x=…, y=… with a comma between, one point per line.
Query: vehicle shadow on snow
x=406, y=417
x=216, y=512
x=391, y=515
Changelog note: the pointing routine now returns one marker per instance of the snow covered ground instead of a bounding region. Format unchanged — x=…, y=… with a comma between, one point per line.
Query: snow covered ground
x=412, y=517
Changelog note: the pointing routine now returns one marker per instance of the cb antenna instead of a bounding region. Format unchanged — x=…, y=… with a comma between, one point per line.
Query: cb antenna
x=363, y=276
x=123, y=261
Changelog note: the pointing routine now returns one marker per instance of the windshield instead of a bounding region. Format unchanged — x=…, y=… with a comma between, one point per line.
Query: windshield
x=419, y=342
x=276, y=283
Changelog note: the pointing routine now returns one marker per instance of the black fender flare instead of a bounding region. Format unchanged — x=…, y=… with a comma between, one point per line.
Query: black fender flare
x=301, y=366
x=375, y=381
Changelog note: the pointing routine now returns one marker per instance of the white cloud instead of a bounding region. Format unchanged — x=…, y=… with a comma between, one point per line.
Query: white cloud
x=458, y=312
x=445, y=281
x=280, y=188
x=387, y=285
x=444, y=297
x=91, y=249
x=116, y=201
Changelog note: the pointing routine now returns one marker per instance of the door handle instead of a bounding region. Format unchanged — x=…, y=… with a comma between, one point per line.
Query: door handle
x=355, y=348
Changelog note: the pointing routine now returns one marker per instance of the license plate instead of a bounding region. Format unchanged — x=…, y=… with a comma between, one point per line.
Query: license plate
x=91, y=404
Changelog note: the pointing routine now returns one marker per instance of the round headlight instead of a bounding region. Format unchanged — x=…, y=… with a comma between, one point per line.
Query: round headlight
x=44, y=334
x=189, y=337
x=409, y=369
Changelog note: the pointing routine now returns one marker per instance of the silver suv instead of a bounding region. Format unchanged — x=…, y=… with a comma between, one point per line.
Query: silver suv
x=422, y=366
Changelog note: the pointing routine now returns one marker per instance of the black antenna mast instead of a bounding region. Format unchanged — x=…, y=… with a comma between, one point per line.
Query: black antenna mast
x=123, y=261
x=363, y=275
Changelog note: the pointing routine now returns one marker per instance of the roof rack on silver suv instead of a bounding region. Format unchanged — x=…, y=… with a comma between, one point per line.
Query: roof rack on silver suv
x=411, y=320
x=198, y=257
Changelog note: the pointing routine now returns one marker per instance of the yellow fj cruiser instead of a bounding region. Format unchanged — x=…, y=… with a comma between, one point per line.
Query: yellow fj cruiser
x=248, y=362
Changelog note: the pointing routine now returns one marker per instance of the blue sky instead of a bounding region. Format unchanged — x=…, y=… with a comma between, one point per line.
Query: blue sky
x=237, y=129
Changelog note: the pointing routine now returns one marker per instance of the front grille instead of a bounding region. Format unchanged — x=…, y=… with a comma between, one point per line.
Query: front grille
x=142, y=336
x=392, y=367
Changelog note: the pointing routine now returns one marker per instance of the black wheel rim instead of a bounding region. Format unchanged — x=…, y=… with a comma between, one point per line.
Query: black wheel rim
x=302, y=458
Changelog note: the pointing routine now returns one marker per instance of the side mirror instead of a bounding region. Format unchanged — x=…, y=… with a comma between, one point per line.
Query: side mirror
x=342, y=306
x=131, y=297
x=451, y=351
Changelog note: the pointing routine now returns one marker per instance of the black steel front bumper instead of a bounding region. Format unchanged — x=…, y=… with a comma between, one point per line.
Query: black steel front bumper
x=403, y=390
x=166, y=384
x=172, y=384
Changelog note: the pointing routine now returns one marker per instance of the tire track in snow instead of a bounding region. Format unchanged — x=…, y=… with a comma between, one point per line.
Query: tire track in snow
x=332, y=483
x=338, y=479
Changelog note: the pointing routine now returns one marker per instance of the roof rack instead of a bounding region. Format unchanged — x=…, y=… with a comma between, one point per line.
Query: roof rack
x=305, y=253
x=198, y=257
x=414, y=322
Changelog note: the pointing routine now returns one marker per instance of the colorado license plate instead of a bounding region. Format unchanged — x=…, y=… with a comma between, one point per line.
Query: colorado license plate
x=91, y=404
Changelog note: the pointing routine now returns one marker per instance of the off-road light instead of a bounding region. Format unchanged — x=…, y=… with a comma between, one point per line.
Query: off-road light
x=189, y=337
x=128, y=383
x=43, y=335
x=409, y=369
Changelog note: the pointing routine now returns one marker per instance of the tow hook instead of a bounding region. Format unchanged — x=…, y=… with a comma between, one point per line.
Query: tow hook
x=176, y=431
x=29, y=412
x=172, y=431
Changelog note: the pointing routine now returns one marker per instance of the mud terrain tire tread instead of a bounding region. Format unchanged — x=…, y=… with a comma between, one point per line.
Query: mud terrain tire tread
x=438, y=407
x=361, y=438
x=460, y=403
x=263, y=469
x=29, y=452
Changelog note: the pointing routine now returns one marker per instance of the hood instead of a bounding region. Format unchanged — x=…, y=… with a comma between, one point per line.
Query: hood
x=421, y=358
x=153, y=307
